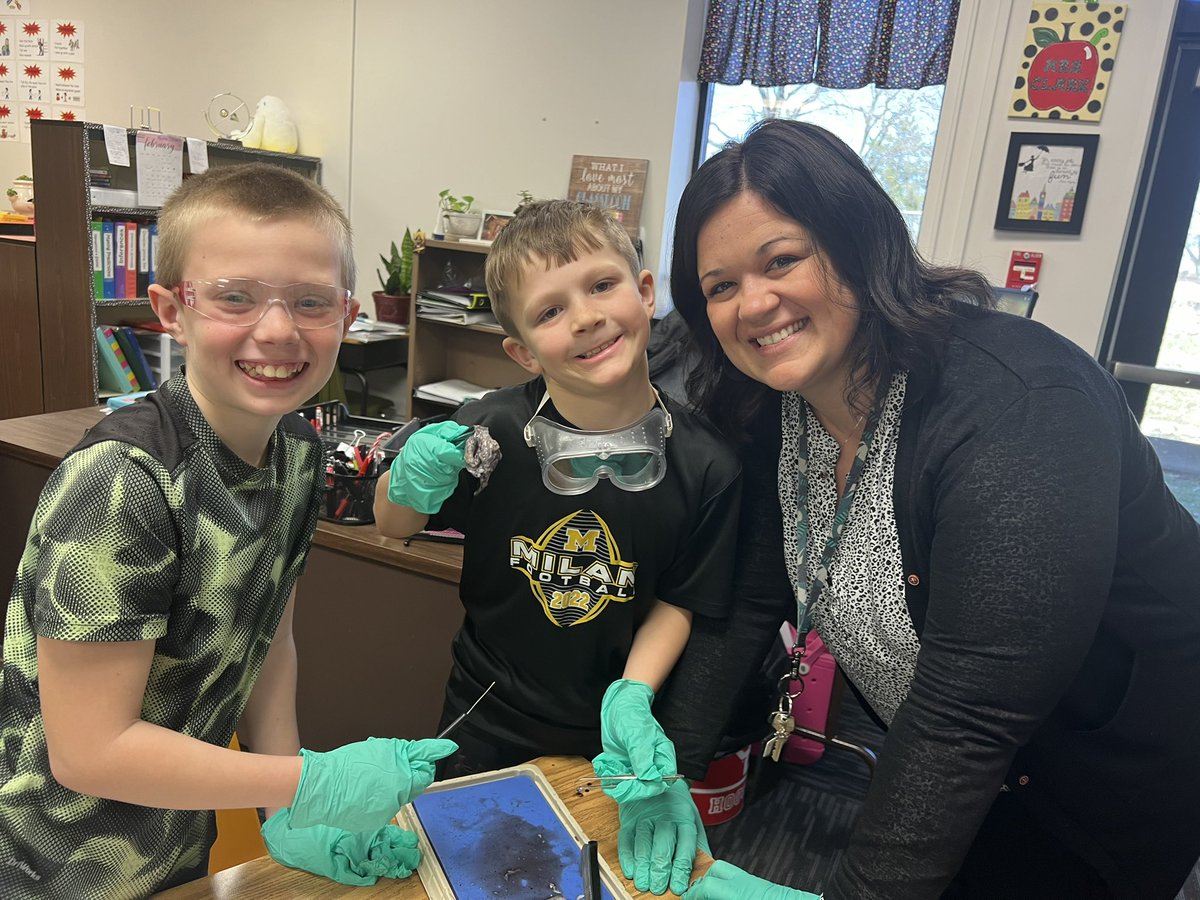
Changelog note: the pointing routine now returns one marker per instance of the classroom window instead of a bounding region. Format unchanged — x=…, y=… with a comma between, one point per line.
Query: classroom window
x=892, y=130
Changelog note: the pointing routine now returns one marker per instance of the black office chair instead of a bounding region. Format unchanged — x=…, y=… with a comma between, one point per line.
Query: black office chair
x=1017, y=302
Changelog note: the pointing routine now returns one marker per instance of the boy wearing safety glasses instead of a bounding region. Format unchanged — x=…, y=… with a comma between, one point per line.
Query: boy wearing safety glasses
x=605, y=525
x=152, y=609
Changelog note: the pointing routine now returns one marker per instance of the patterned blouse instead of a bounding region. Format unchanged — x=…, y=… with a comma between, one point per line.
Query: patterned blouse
x=862, y=617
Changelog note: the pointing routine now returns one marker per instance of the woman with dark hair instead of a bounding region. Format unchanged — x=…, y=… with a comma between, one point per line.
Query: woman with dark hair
x=961, y=504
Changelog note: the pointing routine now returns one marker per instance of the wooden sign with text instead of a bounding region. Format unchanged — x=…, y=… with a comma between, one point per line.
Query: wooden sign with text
x=611, y=183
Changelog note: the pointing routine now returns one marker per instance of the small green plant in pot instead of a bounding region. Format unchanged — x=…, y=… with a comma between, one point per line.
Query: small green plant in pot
x=20, y=195
x=459, y=220
x=392, y=303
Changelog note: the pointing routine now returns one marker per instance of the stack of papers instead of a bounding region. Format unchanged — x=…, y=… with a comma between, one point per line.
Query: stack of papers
x=362, y=323
x=458, y=316
x=458, y=298
x=11, y=223
x=460, y=306
x=453, y=391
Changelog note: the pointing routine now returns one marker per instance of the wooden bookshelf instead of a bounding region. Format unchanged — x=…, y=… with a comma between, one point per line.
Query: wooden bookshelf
x=63, y=155
x=441, y=350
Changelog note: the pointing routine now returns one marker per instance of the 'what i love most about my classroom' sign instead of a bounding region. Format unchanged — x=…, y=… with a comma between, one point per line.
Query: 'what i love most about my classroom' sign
x=612, y=183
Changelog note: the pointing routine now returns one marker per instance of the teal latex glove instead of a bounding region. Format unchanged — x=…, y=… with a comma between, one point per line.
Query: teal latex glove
x=425, y=472
x=634, y=743
x=359, y=787
x=724, y=881
x=346, y=857
x=658, y=839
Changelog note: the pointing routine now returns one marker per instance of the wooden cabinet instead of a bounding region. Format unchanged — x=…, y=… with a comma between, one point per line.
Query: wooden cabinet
x=20, y=347
x=63, y=155
x=440, y=350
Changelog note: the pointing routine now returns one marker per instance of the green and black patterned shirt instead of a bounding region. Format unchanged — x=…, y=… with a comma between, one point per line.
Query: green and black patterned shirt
x=150, y=529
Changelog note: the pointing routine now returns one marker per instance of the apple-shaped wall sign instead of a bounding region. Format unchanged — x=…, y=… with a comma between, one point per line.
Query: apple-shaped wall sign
x=1063, y=74
x=1067, y=60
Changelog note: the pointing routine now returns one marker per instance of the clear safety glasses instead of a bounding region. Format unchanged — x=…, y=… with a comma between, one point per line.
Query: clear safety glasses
x=573, y=462
x=244, y=301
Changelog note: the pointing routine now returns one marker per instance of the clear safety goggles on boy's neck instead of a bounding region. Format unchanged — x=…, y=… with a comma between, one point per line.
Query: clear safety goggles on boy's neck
x=633, y=458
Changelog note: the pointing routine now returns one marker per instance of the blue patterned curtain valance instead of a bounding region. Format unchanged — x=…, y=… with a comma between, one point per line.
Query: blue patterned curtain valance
x=834, y=43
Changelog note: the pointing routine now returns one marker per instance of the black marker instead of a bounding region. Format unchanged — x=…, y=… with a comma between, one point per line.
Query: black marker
x=589, y=868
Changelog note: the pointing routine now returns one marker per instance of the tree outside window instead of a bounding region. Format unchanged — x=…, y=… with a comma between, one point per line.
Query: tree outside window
x=891, y=130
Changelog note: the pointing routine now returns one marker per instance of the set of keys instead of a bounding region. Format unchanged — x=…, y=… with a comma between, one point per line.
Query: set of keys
x=782, y=722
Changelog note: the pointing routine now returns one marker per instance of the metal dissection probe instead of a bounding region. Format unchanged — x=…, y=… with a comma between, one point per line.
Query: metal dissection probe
x=449, y=728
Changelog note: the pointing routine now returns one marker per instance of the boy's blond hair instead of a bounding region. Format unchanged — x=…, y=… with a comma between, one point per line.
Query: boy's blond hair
x=550, y=233
x=257, y=191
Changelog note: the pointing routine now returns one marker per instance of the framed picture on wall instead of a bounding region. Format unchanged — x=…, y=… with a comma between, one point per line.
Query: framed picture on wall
x=1046, y=182
x=494, y=221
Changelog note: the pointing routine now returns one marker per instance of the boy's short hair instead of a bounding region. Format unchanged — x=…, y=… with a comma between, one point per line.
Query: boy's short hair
x=554, y=233
x=258, y=191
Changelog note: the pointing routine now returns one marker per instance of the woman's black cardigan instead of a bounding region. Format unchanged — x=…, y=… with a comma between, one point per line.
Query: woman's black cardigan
x=1054, y=582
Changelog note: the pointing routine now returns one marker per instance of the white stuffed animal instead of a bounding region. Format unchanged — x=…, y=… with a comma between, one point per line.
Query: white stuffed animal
x=271, y=128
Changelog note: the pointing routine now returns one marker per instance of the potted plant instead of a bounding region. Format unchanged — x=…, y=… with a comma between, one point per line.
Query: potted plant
x=20, y=195
x=393, y=302
x=458, y=219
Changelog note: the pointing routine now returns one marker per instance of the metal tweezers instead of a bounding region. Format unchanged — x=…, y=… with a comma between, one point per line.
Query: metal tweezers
x=590, y=783
x=449, y=728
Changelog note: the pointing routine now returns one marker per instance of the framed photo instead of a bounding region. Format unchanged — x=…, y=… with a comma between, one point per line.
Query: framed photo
x=1046, y=182
x=494, y=221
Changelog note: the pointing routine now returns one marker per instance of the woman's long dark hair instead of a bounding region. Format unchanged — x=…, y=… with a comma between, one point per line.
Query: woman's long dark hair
x=809, y=175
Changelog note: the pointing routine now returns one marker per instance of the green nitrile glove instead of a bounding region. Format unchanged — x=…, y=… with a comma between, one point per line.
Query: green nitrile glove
x=658, y=839
x=633, y=741
x=346, y=857
x=425, y=472
x=359, y=787
x=724, y=881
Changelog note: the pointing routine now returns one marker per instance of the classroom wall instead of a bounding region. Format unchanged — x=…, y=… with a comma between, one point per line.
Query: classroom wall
x=1078, y=272
x=489, y=99
x=177, y=56
x=402, y=98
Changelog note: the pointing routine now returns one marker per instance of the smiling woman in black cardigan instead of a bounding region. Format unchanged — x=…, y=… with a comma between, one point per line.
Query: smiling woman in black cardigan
x=962, y=505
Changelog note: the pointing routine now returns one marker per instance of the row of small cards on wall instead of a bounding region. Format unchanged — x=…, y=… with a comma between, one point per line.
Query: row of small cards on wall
x=123, y=258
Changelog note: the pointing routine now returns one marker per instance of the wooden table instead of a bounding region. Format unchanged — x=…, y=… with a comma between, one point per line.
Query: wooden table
x=43, y=440
x=263, y=877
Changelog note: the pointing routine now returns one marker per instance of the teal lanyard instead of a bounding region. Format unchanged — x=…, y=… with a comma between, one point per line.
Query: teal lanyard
x=808, y=592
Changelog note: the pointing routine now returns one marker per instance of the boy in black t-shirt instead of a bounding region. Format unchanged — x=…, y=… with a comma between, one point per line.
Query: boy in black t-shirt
x=152, y=608
x=589, y=546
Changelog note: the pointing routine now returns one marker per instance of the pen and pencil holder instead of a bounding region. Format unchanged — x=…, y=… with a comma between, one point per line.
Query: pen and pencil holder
x=350, y=497
x=353, y=464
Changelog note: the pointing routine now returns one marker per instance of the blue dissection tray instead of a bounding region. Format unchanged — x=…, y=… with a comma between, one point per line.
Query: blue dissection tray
x=499, y=835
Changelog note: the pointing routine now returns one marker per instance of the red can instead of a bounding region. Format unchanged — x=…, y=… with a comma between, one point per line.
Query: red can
x=722, y=793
